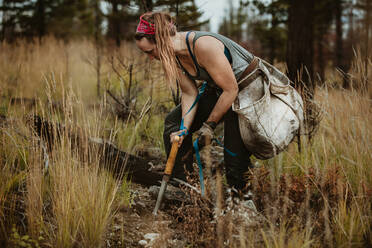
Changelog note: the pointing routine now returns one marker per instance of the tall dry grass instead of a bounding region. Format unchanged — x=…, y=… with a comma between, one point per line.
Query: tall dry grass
x=54, y=195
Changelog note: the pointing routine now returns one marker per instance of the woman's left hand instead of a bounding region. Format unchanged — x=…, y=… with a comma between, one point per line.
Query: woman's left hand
x=206, y=132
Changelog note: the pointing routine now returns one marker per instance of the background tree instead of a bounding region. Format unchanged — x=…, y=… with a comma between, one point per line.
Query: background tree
x=145, y=5
x=186, y=12
x=271, y=29
x=62, y=18
x=71, y=18
x=16, y=19
x=300, y=43
x=339, y=58
x=322, y=23
x=98, y=43
x=40, y=17
x=306, y=34
x=349, y=43
x=234, y=20
x=366, y=7
x=122, y=17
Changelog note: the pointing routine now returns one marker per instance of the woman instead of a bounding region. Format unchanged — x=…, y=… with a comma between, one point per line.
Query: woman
x=190, y=56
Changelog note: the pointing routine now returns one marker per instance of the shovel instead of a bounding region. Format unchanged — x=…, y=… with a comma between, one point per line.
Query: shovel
x=167, y=173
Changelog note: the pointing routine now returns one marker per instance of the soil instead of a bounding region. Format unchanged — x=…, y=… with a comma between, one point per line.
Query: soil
x=134, y=224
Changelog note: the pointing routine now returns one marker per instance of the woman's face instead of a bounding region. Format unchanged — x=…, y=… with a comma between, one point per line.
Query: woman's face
x=148, y=47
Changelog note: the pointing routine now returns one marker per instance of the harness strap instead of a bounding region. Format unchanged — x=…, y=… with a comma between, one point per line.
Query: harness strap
x=227, y=150
x=196, y=147
x=200, y=165
x=201, y=91
x=198, y=160
x=192, y=55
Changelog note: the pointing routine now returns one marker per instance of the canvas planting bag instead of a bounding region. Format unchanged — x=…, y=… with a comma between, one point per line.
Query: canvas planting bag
x=270, y=111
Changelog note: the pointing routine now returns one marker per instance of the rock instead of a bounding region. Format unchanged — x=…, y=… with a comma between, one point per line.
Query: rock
x=151, y=236
x=154, y=191
x=171, y=194
x=135, y=215
x=117, y=227
x=163, y=223
x=142, y=242
x=249, y=204
x=141, y=204
x=145, y=194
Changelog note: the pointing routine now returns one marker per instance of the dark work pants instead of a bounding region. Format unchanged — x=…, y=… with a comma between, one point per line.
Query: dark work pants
x=235, y=166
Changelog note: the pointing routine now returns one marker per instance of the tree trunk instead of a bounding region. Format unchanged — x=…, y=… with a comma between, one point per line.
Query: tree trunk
x=367, y=23
x=3, y=15
x=97, y=38
x=300, y=44
x=8, y=22
x=339, y=57
x=148, y=5
x=272, y=42
x=348, y=52
x=116, y=22
x=321, y=63
x=120, y=163
x=41, y=23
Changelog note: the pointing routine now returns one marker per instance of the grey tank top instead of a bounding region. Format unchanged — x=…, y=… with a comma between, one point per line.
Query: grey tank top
x=240, y=58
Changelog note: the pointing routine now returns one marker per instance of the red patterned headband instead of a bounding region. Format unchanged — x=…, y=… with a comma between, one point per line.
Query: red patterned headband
x=145, y=27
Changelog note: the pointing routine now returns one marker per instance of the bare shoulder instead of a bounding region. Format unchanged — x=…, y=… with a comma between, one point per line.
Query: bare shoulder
x=208, y=44
x=208, y=48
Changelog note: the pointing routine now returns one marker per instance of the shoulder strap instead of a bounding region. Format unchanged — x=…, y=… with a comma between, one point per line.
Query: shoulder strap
x=179, y=64
x=226, y=50
x=191, y=54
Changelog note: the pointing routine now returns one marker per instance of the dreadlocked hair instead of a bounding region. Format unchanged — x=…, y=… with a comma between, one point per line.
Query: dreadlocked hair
x=164, y=30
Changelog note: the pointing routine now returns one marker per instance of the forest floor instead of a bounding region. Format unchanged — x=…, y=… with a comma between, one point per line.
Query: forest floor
x=136, y=226
x=183, y=213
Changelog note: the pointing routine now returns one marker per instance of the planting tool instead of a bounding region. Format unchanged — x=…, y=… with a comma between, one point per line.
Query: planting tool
x=167, y=173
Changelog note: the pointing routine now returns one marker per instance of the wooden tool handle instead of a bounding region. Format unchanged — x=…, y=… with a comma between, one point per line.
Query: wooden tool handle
x=172, y=156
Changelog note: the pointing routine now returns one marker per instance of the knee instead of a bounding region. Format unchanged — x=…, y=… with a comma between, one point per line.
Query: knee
x=169, y=120
x=170, y=125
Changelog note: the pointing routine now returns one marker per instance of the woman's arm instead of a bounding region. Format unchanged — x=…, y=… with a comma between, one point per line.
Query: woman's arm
x=189, y=93
x=210, y=55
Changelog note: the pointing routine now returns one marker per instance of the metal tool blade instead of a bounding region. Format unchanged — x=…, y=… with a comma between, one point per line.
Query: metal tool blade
x=163, y=187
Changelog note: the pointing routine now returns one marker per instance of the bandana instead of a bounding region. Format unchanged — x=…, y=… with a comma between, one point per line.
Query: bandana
x=145, y=27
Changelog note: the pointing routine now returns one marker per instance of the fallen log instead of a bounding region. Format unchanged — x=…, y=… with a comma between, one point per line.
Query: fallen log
x=137, y=169
x=30, y=102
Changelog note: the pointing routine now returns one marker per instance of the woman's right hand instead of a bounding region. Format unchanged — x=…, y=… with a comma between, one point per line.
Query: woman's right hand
x=174, y=134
